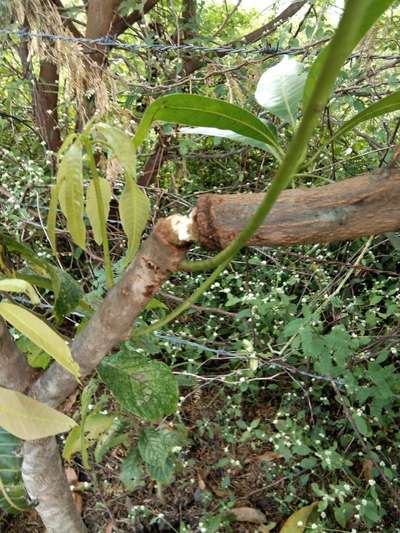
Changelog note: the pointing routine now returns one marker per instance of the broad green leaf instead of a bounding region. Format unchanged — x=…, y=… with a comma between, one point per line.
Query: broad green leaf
x=19, y=285
x=52, y=217
x=70, y=192
x=385, y=105
x=280, y=89
x=131, y=471
x=95, y=425
x=155, y=448
x=41, y=334
x=372, y=10
x=231, y=135
x=134, y=210
x=29, y=419
x=194, y=110
x=297, y=522
x=13, y=497
x=362, y=425
x=121, y=144
x=145, y=388
x=92, y=207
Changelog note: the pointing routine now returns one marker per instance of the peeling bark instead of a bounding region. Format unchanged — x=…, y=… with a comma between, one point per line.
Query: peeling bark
x=364, y=205
x=15, y=373
x=159, y=256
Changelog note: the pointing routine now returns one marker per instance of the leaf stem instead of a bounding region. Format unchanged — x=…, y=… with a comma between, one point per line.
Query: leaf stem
x=100, y=209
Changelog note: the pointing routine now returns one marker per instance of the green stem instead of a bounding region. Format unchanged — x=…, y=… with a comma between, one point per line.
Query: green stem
x=185, y=305
x=341, y=45
x=100, y=209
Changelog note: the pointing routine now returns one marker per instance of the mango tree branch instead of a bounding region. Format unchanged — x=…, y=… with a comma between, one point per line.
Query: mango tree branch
x=159, y=256
x=365, y=205
x=15, y=373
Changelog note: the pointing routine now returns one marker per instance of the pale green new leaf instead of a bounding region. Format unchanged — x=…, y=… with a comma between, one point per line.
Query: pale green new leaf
x=280, y=89
x=297, y=522
x=19, y=285
x=121, y=144
x=92, y=207
x=40, y=334
x=134, y=210
x=29, y=419
x=385, y=105
x=70, y=192
x=95, y=425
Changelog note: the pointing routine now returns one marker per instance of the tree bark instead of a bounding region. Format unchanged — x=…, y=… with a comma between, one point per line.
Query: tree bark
x=15, y=373
x=364, y=205
x=46, y=483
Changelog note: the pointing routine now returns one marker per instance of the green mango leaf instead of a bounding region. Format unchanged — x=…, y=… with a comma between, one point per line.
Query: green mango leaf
x=29, y=419
x=280, y=89
x=13, y=496
x=70, y=192
x=385, y=105
x=95, y=425
x=92, y=208
x=145, y=388
x=19, y=285
x=231, y=135
x=121, y=144
x=297, y=522
x=194, y=110
x=41, y=334
x=134, y=210
x=372, y=10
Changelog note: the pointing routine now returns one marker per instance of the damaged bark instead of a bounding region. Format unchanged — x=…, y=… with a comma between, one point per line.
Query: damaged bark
x=365, y=205
x=112, y=322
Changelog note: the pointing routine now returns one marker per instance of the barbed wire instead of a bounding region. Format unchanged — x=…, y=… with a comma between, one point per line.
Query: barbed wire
x=108, y=41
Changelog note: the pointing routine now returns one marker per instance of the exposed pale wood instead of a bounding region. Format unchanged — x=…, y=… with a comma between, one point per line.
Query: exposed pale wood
x=364, y=205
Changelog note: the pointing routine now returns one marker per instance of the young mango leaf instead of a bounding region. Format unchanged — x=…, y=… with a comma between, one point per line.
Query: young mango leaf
x=280, y=89
x=70, y=192
x=41, y=334
x=134, y=210
x=145, y=388
x=29, y=419
x=19, y=285
x=121, y=144
x=372, y=10
x=194, y=110
x=228, y=134
x=92, y=207
x=36, y=357
x=13, y=496
x=385, y=105
x=297, y=522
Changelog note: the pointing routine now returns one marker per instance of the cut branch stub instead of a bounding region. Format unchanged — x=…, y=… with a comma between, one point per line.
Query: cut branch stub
x=364, y=205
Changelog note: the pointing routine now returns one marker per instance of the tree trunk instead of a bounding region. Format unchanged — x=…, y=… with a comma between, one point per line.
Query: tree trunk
x=45, y=97
x=42, y=471
x=364, y=205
